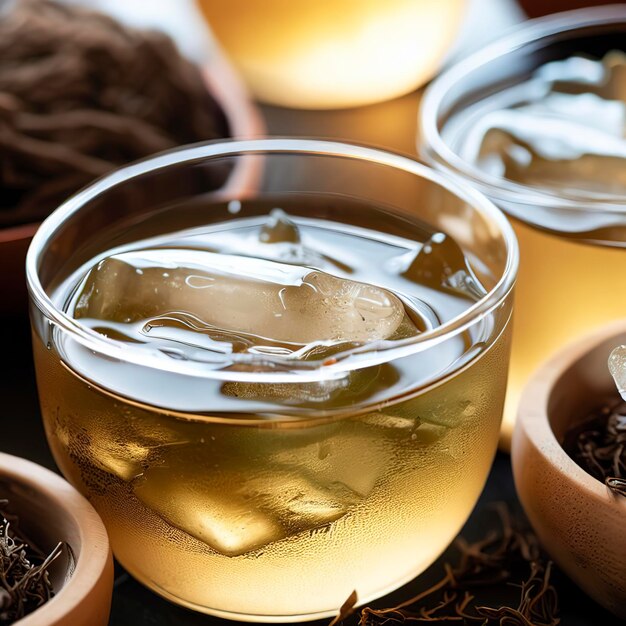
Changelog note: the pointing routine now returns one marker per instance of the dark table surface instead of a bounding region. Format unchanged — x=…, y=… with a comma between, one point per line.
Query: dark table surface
x=391, y=125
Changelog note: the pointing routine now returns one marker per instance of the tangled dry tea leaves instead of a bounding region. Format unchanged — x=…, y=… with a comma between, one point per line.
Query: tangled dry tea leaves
x=599, y=445
x=81, y=94
x=494, y=561
x=24, y=578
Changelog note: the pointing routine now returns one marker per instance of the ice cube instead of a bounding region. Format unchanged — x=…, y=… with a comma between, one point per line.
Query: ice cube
x=350, y=460
x=126, y=447
x=617, y=367
x=276, y=237
x=352, y=388
x=279, y=229
x=289, y=393
x=123, y=459
x=272, y=301
x=392, y=422
x=210, y=511
x=438, y=263
x=239, y=510
x=298, y=500
x=122, y=445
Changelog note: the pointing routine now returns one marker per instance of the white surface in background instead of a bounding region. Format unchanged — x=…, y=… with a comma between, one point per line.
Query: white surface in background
x=485, y=21
x=180, y=19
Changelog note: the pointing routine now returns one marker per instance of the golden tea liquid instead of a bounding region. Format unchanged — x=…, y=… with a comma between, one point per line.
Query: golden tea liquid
x=562, y=133
x=564, y=288
x=253, y=495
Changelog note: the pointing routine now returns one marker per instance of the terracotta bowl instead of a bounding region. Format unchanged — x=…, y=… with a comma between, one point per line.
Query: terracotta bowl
x=579, y=521
x=51, y=510
x=244, y=120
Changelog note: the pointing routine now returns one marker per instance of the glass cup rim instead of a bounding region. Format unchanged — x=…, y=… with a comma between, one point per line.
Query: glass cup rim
x=318, y=370
x=435, y=150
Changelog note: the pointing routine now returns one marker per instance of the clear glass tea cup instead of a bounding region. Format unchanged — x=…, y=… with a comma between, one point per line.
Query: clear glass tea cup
x=271, y=492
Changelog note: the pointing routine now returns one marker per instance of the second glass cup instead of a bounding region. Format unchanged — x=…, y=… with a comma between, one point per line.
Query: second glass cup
x=535, y=122
x=275, y=367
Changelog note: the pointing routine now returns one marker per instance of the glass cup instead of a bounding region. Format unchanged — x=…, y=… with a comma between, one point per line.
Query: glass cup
x=573, y=265
x=270, y=495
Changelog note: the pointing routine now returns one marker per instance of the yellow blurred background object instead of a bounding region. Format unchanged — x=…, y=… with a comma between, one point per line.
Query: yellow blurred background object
x=324, y=54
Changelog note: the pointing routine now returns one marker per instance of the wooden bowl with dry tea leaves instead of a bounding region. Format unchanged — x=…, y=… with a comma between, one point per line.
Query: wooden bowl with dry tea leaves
x=569, y=463
x=82, y=94
x=56, y=567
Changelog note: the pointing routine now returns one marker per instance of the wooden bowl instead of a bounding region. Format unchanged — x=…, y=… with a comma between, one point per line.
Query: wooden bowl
x=51, y=510
x=244, y=121
x=579, y=521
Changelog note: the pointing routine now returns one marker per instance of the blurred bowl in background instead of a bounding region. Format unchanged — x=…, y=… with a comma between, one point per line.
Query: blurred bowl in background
x=14, y=242
x=244, y=121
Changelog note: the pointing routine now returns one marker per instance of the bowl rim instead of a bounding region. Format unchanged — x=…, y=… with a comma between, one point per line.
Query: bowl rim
x=21, y=232
x=436, y=150
x=532, y=414
x=94, y=557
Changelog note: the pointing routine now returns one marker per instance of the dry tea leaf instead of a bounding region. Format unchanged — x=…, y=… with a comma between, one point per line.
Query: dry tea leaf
x=81, y=94
x=24, y=579
x=347, y=609
x=598, y=445
x=508, y=557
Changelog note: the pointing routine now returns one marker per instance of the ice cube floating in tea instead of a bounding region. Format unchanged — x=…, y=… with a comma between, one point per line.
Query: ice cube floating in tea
x=239, y=496
x=251, y=290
